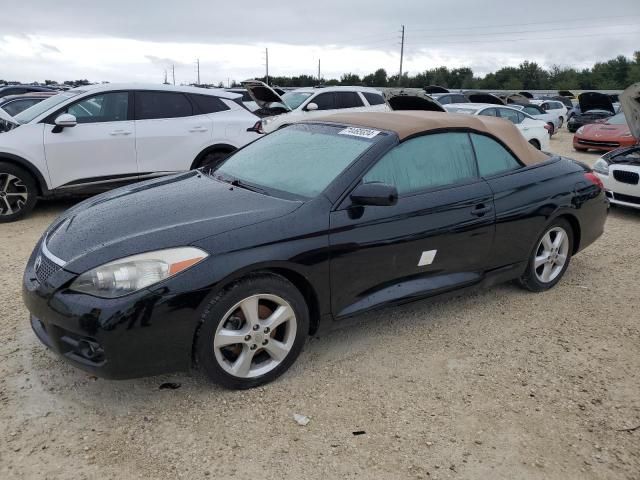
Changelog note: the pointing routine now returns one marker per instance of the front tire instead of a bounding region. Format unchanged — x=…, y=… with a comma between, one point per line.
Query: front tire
x=252, y=332
x=550, y=258
x=18, y=192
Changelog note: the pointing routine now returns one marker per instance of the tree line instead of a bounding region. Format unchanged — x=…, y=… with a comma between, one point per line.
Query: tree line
x=615, y=74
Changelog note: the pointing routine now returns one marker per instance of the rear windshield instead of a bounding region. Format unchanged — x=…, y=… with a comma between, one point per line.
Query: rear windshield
x=300, y=160
x=468, y=111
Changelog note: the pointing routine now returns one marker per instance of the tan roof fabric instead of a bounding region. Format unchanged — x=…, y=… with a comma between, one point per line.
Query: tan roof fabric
x=408, y=123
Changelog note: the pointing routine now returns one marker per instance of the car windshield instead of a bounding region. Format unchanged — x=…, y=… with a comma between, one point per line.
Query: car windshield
x=295, y=99
x=38, y=109
x=618, y=119
x=300, y=160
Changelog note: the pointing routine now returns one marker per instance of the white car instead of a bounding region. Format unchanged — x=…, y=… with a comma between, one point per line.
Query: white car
x=92, y=139
x=535, y=131
x=553, y=106
x=619, y=169
x=537, y=112
x=306, y=103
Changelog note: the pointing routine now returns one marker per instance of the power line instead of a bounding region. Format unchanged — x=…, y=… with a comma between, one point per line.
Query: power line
x=524, y=31
x=467, y=42
x=476, y=27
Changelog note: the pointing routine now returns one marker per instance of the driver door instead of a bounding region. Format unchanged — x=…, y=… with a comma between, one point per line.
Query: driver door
x=99, y=150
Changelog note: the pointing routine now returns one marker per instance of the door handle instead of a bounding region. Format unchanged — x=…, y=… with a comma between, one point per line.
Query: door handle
x=480, y=209
x=198, y=129
x=119, y=132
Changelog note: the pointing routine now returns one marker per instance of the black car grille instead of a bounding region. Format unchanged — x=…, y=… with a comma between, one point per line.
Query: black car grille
x=596, y=143
x=45, y=268
x=626, y=177
x=626, y=198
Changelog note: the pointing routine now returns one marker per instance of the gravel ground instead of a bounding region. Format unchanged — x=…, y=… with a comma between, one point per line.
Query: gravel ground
x=501, y=384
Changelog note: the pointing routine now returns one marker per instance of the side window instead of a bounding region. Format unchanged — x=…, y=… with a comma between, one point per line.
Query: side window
x=208, y=104
x=373, y=98
x=492, y=157
x=459, y=99
x=445, y=100
x=107, y=107
x=426, y=162
x=511, y=115
x=348, y=100
x=15, y=107
x=150, y=105
x=545, y=106
x=324, y=101
x=489, y=112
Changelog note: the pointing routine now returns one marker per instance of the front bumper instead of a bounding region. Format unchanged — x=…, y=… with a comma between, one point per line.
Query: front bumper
x=142, y=334
x=621, y=193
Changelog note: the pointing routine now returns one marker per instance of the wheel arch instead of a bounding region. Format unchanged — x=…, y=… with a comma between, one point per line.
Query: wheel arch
x=575, y=226
x=218, y=147
x=29, y=167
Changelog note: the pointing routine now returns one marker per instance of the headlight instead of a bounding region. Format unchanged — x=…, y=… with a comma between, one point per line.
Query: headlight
x=127, y=275
x=268, y=120
x=580, y=130
x=601, y=167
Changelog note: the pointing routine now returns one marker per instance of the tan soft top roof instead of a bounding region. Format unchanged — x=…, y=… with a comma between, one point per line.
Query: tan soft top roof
x=408, y=123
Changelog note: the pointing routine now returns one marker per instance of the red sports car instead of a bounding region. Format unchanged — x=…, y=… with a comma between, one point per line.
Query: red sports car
x=605, y=135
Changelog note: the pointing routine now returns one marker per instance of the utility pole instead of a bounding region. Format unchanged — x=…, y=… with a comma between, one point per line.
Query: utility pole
x=401, y=56
x=198, y=64
x=173, y=73
x=266, y=56
x=319, y=76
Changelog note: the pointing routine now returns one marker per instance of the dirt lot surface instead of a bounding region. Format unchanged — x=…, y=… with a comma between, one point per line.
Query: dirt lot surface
x=501, y=384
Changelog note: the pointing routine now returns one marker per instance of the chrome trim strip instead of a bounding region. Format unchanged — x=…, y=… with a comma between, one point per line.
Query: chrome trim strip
x=51, y=256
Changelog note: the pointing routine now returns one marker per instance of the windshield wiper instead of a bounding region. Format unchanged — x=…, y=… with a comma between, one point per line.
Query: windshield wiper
x=236, y=182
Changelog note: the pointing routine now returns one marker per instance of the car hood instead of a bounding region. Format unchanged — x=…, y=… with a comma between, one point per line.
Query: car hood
x=630, y=103
x=398, y=99
x=481, y=97
x=263, y=94
x=435, y=89
x=604, y=130
x=595, y=101
x=170, y=212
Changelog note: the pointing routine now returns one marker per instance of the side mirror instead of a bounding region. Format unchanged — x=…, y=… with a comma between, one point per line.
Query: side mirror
x=66, y=120
x=376, y=193
x=311, y=107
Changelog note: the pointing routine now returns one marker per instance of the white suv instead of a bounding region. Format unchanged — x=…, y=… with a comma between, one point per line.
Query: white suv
x=306, y=103
x=92, y=139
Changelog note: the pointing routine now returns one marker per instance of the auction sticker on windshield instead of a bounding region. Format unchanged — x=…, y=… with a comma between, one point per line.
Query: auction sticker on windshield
x=359, y=132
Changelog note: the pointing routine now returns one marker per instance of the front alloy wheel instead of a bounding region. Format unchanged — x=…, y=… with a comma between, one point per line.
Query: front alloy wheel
x=255, y=336
x=252, y=332
x=17, y=192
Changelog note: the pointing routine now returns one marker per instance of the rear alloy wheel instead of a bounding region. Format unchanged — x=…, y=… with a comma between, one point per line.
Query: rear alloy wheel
x=253, y=332
x=18, y=192
x=550, y=258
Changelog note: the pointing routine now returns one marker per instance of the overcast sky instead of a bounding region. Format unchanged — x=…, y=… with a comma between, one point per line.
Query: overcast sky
x=118, y=40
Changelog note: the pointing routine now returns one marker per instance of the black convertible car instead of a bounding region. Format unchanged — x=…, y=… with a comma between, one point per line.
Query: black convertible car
x=231, y=269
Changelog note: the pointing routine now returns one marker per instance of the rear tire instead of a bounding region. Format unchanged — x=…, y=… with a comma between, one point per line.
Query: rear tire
x=561, y=123
x=549, y=258
x=18, y=192
x=212, y=160
x=535, y=143
x=552, y=128
x=252, y=332
x=577, y=149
